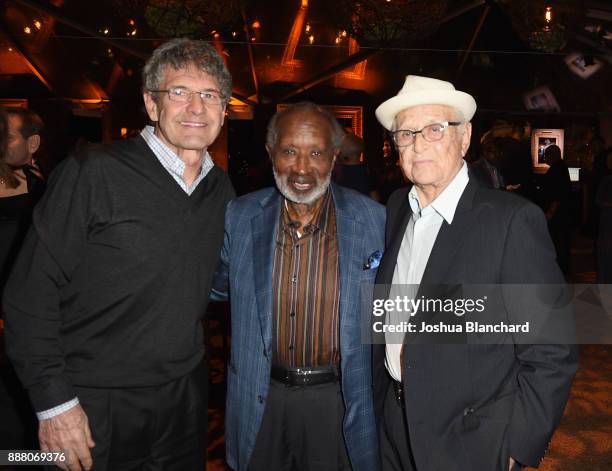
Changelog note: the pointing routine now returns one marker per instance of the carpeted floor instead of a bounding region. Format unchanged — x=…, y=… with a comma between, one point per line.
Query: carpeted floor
x=583, y=441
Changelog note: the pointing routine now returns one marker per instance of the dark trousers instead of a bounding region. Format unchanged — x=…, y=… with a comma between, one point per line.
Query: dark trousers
x=160, y=428
x=394, y=439
x=301, y=430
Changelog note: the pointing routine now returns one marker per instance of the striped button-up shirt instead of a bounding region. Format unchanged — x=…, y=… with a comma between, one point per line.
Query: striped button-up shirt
x=172, y=162
x=306, y=290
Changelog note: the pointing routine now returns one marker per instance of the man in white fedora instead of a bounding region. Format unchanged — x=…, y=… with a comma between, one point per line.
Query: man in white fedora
x=460, y=406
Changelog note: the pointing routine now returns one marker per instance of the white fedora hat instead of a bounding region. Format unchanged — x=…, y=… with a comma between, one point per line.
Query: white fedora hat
x=419, y=90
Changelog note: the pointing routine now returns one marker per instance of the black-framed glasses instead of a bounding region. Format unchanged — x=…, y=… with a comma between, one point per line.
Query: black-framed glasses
x=431, y=133
x=183, y=95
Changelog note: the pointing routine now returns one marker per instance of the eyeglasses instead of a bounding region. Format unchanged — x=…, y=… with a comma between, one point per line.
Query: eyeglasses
x=431, y=133
x=183, y=95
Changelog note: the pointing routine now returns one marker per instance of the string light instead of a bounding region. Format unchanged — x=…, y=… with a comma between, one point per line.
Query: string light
x=548, y=14
x=105, y=31
x=27, y=30
x=307, y=29
x=338, y=39
x=344, y=33
x=133, y=33
x=256, y=24
x=547, y=18
x=216, y=35
x=311, y=39
x=233, y=34
x=37, y=24
x=131, y=22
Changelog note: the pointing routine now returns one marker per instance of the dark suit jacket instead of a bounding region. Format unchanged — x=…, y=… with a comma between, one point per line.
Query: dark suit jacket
x=471, y=407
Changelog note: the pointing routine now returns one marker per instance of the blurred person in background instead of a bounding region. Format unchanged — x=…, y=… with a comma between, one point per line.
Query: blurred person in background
x=18, y=424
x=21, y=184
x=557, y=193
x=350, y=170
x=487, y=168
x=390, y=176
x=604, y=235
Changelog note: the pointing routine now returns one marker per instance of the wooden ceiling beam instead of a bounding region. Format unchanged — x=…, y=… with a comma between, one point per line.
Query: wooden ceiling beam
x=328, y=73
x=362, y=55
x=250, y=51
x=468, y=51
x=27, y=57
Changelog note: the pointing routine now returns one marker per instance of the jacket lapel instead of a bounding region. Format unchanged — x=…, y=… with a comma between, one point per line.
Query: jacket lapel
x=397, y=229
x=264, y=226
x=348, y=238
x=450, y=238
x=449, y=242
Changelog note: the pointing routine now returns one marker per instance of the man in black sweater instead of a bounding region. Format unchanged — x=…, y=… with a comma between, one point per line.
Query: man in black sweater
x=103, y=307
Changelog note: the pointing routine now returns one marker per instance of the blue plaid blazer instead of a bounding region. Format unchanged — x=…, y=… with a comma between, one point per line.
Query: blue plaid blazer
x=245, y=273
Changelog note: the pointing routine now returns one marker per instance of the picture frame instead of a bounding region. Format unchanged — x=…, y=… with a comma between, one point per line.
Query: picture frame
x=583, y=65
x=540, y=140
x=541, y=99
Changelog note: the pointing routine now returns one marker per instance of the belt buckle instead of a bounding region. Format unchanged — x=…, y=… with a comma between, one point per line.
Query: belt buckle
x=303, y=374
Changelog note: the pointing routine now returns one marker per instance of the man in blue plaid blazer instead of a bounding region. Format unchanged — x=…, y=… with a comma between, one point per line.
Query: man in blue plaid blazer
x=270, y=423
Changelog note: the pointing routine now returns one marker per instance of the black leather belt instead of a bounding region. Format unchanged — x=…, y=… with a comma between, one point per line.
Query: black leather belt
x=398, y=390
x=304, y=376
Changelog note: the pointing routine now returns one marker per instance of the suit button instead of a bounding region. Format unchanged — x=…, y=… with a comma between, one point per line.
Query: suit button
x=260, y=399
x=292, y=314
x=470, y=420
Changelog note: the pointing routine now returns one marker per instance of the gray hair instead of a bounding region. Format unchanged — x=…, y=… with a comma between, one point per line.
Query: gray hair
x=337, y=133
x=180, y=53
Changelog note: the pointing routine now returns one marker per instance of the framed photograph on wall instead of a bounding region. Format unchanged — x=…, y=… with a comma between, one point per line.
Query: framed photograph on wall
x=349, y=117
x=541, y=99
x=583, y=65
x=540, y=140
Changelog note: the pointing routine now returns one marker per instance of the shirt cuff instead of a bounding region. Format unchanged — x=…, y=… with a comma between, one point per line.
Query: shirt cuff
x=54, y=411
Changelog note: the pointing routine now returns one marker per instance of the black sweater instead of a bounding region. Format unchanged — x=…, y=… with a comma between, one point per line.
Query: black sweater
x=114, y=276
